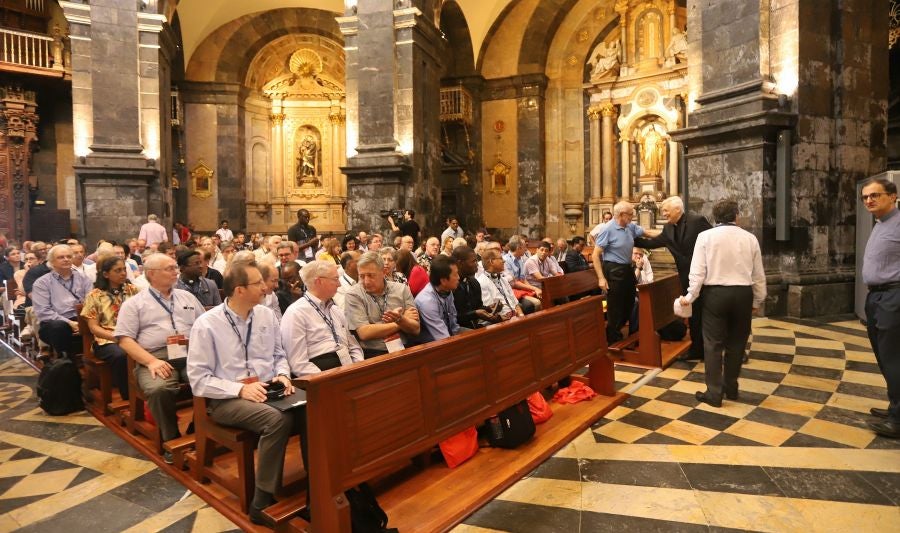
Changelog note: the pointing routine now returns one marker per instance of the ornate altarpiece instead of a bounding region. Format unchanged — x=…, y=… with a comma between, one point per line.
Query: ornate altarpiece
x=18, y=133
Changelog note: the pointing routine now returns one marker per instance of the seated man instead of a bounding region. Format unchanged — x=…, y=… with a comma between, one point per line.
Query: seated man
x=235, y=350
x=314, y=330
x=380, y=311
x=287, y=253
x=437, y=311
x=191, y=279
x=346, y=275
x=54, y=297
x=515, y=275
x=495, y=290
x=575, y=261
x=152, y=328
x=471, y=311
x=541, y=265
x=290, y=288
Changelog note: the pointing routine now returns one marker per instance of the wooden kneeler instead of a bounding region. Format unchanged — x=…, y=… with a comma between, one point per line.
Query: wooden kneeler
x=208, y=436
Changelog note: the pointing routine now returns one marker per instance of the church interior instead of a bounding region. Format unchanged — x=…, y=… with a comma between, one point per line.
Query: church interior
x=529, y=117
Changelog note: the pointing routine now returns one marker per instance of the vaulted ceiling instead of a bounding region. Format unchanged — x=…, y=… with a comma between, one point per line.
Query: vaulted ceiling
x=200, y=18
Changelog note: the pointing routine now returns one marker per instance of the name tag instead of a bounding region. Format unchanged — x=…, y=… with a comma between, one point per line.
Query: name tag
x=250, y=379
x=176, y=347
x=394, y=343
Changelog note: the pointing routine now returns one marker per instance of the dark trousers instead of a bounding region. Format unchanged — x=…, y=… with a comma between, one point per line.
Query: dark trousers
x=58, y=334
x=274, y=429
x=619, y=298
x=696, y=325
x=117, y=359
x=883, y=325
x=727, y=313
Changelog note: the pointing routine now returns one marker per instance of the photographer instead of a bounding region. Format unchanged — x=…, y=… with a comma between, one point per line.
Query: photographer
x=407, y=227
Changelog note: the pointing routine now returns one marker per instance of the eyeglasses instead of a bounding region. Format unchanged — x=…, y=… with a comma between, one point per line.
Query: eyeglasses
x=259, y=283
x=332, y=279
x=872, y=196
x=171, y=268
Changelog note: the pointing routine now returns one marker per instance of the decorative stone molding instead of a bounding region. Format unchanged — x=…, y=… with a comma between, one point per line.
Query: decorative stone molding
x=608, y=110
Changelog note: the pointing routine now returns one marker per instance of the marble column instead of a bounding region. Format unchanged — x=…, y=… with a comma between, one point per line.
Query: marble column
x=672, y=169
x=593, y=114
x=626, y=169
x=608, y=112
x=277, y=151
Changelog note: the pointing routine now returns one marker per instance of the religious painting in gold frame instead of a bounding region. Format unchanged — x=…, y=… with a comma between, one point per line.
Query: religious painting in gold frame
x=201, y=180
x=500, y=177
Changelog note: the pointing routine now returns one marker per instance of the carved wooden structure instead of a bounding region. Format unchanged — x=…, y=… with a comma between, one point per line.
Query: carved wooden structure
x=18, y=133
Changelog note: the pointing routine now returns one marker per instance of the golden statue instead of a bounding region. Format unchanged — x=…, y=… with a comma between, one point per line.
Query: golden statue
x=653, y=151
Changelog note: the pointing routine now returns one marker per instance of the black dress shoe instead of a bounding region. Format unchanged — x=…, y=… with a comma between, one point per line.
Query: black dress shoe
x=880, y=413
x=258, y=518
x=731, y=395
x=701, y=397
x=887, y=428
x=690, y=357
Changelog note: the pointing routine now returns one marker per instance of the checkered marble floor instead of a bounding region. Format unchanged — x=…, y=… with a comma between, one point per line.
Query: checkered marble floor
x=792, y=454
x=70, y=473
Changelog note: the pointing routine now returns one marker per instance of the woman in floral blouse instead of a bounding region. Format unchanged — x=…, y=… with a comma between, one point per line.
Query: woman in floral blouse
x=101, y=309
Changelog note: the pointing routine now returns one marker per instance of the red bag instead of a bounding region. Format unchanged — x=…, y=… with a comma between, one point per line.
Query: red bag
x=574, y=393
x=148, y=416
x=460, y=447
x=540, y=409
x=519, y=293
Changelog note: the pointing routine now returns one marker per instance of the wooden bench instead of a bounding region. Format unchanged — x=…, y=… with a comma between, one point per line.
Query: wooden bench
x=98, y=375
x=134, y=417
x=371, y=418
x=565, y=286
x=645, y=347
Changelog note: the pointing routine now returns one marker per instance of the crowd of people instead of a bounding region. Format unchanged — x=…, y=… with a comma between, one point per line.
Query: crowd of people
x=304, y=303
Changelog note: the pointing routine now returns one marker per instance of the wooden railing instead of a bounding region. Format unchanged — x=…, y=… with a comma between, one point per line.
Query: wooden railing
x=27, y=49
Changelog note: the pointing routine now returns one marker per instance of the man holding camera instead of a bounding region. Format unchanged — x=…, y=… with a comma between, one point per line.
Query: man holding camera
x=235, y=355
x=407, y=226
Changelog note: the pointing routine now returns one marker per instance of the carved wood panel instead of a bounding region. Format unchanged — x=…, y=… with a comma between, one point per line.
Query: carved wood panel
x=18, y=133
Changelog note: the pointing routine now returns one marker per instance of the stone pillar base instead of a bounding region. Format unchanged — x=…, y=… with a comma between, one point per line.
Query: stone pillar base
x=375, y=183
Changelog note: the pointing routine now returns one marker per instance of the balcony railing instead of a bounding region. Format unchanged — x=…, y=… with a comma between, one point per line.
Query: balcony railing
x=29, y=49
x=456, y=105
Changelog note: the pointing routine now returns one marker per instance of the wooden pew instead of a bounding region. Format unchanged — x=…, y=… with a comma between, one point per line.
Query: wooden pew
x=370, y=418
x=567, y=285
x=645, y=348
x=98, y=383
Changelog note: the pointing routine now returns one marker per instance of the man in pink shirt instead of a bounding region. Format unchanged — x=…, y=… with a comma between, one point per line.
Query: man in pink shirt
x=153, y=232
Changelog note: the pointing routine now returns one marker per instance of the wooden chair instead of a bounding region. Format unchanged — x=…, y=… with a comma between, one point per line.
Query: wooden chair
x=98, y=375
x=135, y=421
x=208, y=437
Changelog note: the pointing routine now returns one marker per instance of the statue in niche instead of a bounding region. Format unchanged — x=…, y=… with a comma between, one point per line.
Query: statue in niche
x=604, y=60
x=308, y=160
x=653, y=150
x=677, y=49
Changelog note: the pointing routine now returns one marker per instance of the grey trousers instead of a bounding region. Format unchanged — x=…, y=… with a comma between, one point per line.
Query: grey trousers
x=162, y=394
x=727, y=314
x=273, y=427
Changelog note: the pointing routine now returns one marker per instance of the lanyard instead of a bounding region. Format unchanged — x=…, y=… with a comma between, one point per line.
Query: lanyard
x=445, y=312
x=70, y=286
x=244, y=342
x=171, y=311
x=382, y=305
x=327, y=320
x=499, y=286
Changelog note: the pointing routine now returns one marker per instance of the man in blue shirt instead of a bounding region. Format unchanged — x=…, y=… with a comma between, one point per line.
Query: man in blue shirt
x=437, y=311
x=54, y=297
x=881, y=272
x=235, y=350
x=612, y=262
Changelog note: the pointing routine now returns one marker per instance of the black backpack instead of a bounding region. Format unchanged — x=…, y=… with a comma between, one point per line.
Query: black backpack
x=59, y=388
x=366, y=516
x=512, y=427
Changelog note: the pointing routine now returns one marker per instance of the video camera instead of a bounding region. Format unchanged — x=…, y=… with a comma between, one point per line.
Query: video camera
x=397, y=214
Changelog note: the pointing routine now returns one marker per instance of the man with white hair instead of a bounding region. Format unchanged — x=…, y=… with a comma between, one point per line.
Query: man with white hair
x=612, y=263
x=153, y=232
x=153, y=328
x=363, y=238
x=314, y=329
x=679, y=236
x=54, y=297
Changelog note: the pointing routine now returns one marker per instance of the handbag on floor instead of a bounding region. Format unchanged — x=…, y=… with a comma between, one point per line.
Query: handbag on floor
x=366, y=516
x=460, y=447
x=539, y=408
x=511, y=427
x=59, y=388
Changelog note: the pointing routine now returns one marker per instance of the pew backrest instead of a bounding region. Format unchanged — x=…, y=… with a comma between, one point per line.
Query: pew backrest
x=369, y=418
x=567, y=285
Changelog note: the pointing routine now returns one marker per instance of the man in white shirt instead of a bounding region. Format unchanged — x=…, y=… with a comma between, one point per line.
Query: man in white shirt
x=314, y=330
x=153, y=232
x=235, y=352
x=494, y=286
x=727, y=267
x=347, y=274
x=90, y=271
x=453, y=230
x=643, y=272
x=224, y=233
x=152, y=327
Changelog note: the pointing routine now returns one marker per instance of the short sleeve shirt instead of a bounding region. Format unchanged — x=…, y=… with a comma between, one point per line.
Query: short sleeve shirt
x=361, y=308
x=618, y=242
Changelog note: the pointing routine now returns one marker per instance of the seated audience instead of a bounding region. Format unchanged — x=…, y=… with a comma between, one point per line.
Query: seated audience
x=287, y=252
x=376, y=241
x=389, y=257
x=378, y=310
x=270, y=277
x=495, y=289
x=31, y=260
x=431, y=250
x=211, y=273
x=575, y=261
x=471, y=311
x=541, y=265
x=191, y=264
x=12, y=263
x=101, y=310
x=515, y=274
x=80, y=264
x=290, y=287
x=415, y=275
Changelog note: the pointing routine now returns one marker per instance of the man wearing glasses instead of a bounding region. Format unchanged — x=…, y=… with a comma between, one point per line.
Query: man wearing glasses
x=235, y=352
x=153, y=328
x=612, y=262
x=881, y=272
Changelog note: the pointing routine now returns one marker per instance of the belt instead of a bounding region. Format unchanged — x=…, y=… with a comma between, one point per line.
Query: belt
x=884, y=287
